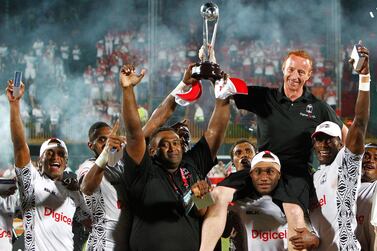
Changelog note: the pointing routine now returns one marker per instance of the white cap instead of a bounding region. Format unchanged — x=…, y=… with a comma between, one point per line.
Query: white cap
x=265, y=158
x=52, y=143
x=329, y=128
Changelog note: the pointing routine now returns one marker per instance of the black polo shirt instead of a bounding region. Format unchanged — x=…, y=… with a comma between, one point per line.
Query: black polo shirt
x=285, y=127
x=160, y=221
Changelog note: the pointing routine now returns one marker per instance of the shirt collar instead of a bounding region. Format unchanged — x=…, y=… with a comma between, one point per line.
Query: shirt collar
x=282, y=97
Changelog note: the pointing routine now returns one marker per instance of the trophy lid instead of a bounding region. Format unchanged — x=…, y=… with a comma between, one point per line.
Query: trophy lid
x=209, y=11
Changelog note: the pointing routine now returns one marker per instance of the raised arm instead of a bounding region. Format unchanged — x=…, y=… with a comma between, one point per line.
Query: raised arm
x=20, y=147
x=160, y=115
x=92, y=179
x=356, y=134
x=134, y=133
x=164, y=111
x=217, y=125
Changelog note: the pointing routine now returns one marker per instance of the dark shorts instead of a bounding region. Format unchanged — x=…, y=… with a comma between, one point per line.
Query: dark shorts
x=290, y=189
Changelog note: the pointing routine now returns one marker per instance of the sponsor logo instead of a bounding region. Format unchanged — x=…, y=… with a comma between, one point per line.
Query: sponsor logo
x=309, y=109
x=269, y=235
x=119, y=204
x=49, y=191
x=309, y=112
x=5, y=234
x=321, y=202
x=252, y=212
x=360, y=219
x=323, y=178
x=58, y=217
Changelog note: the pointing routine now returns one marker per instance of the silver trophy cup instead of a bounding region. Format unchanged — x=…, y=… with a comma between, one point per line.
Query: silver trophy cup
x=206, y=69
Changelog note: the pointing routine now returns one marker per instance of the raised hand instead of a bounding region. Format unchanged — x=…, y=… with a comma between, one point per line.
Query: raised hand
x=114, y=142
x=211, y=54
x=128, y=76
x=187, y=79
x=364, y=52
x=9, y=91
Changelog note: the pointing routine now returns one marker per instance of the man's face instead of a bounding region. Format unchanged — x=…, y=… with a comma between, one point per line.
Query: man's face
x=296, y=71
x=326, y=148
x=54, y=162
x=168, y=147
x=369, y=165
x=242, y=155
x=265, y=178
x=99, y=142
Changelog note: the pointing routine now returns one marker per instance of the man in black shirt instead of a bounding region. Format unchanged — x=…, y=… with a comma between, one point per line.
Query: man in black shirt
x=286, y=118
x=159, y=186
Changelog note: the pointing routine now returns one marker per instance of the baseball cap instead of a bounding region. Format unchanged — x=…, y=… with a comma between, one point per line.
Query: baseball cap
x=265, y=158
x=329, y=128
x=52, y=143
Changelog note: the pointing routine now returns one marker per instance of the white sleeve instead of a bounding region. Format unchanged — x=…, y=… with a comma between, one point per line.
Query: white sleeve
x=373, y=216
x=26, y=179
x=84, y=169
x=82, y=210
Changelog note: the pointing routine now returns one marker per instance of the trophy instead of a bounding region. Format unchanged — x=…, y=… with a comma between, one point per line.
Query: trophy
x=358, y=58
x=207, y=69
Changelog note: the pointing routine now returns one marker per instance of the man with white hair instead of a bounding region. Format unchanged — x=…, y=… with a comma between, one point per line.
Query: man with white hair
x=47, y=201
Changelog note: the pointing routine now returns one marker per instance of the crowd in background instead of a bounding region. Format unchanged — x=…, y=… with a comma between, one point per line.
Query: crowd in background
x=50, y=67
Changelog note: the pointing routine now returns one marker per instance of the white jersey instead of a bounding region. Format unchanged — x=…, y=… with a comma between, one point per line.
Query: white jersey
x=105, y=207
x=334, y=215
x=48, y=208
x=262, y=223
x=8, y=206
x=364, y=231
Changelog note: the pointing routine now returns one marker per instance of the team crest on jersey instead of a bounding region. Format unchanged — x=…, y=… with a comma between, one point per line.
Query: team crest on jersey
x=308, y=112
x=323, y=178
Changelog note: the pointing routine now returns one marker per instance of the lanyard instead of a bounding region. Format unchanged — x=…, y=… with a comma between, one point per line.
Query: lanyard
x=184, y=180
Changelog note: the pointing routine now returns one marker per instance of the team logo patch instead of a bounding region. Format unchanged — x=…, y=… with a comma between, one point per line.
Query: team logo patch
x=308, y=112
x=323, y=178
x=309, y=109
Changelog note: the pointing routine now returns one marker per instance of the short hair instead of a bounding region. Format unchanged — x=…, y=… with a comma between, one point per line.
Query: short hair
x=158, y=130
x=301, y=54
x=240, y=141
x=93, y=129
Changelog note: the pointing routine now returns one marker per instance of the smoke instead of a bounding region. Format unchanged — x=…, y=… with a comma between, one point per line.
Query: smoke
x=177, y=22
x=7, y=156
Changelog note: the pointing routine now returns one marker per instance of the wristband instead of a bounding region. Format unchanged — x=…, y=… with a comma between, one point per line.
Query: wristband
x=364, y=82
x=178, y=89
x=102, y=159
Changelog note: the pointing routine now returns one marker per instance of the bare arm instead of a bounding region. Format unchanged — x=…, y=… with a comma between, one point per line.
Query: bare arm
x=344, y=133
x=160, y=115
x=356, y=135
x=20, y=147
x=215, y=218
x=93, y=177
x=217, y=125
x=164, y=111
x=92, y=180
x=134, y=134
